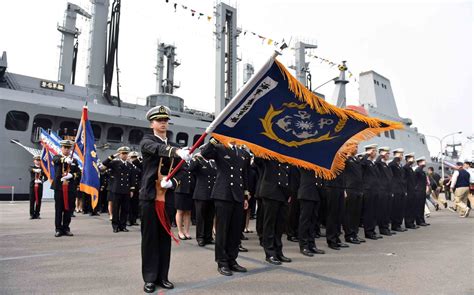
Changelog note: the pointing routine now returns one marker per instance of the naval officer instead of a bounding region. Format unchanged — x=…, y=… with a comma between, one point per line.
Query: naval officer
x=156, y=241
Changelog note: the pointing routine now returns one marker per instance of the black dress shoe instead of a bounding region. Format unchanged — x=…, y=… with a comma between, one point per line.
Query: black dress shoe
x=166, y=284
x=210, y=242
x=149, y=287
x=243, y=238
x=237, y=268
x=68, y=233
x=116, y=230
x=224, y=270
x=424, y=224
x=316, y=250
x=243, y=249
x=393, y=233
x=201, y=243
x=371, y=237
x=353, y=241
x=378, y=236
x=283, y=258
x=135, y=223
x=398, y=229
x=360, y=239
x=411, y=226
x=183, y=238
x=292, y=239
x=273, y=260
x=385, y=232
x=124, y=229
x=306, y=252
x=342, y=245
x=32, y=217
x=334, y=246
x=38, y=217
x=58, y=234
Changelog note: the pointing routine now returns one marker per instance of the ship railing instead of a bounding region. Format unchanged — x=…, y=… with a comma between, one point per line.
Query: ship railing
x=12, y=188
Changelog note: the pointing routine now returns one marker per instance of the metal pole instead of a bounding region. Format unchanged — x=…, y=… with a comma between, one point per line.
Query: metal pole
x=442, y=159
x=13, y=195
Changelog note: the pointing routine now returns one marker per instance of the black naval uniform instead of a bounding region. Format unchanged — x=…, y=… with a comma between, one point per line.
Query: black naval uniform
x=228, y=196
x=384, y=197
x=420, y=195
x=62, y=217
x=309, y=198
x=410, y=208
x=399, y=189
x=353, y=184
x=136, y=179
x=183, y=193
x=156, y=242
x=41, y=176
x=121, y=185
x=205, y=173
x=104, y=180
x=370, y=176
x=275, y=189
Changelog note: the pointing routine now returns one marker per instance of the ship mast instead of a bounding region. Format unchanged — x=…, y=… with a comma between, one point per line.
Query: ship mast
x=339, y=95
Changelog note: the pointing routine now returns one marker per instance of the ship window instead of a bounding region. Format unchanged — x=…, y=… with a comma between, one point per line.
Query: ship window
x=196, y=138
x=17, y=120
x=135, y=136
x=114, y=134
x=97, y=130
x=423, y=140
x=392, y=134
x=68, y=129
x=169, y=135
x=39, y=123
x=386, y=134
x=182, y=139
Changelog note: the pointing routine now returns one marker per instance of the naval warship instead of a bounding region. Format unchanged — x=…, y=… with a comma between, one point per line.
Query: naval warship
x=31, y=103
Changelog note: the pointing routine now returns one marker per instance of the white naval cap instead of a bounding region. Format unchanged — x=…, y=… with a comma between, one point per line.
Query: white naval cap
x=420, y=159
x=384, y=149
x=410, y=155
x=370, y=146
x=398, y=150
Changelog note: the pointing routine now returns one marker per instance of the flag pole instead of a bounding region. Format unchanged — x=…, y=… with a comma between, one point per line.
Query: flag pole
x=233, y=102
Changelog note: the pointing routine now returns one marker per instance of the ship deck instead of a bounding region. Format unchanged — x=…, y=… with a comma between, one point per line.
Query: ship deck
x=434, y=260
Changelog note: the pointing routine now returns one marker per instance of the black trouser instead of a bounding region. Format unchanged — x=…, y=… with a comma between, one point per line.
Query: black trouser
x=420, y=200
x=35, y=207
x=335, y=213
x=322, y=212
x=370, y=217
x=156, y=245
x=133, y=212
x=253, y=206
x=410, y=209
x=120, y=206
x=62, y=218
x=103, y=203
x=383, y=210
x=307, y=223
x=293, y=218
x=259, y=221
x=228, y=230
x=273, y=225
x=204, y=220
x=352, y=212
x=398, y=209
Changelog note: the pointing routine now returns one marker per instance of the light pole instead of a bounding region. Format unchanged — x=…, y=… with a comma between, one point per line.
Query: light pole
x=441, y=149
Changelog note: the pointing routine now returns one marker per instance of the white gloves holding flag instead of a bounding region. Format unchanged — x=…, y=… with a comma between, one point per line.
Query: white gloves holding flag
x=184, y=154
x=166, y=183
x=68, y=160
x=37, y=181
x=37, y=170
x=66, y=177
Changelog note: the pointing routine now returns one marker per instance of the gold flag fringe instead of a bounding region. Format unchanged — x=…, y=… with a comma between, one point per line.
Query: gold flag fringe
x=321, y=106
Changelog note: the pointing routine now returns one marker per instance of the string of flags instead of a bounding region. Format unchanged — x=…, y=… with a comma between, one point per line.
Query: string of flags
x=249, y=33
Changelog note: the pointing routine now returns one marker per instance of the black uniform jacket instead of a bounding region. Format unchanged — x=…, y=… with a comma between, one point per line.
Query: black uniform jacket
x=186, y=181
x=59, y=167
x=153, y=149
x=42, y=176
x=385, y=176
x=420, y=180
x=370, y=175
x=120, y=175
x=410, y=178
x=309, y=185
x=231, y=181
x=352, y=175
x=399, y=182
x=205, y=174
x=278, y=180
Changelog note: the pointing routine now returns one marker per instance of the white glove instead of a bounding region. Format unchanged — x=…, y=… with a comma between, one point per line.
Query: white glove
x=37, y=170
x=68, y=160
x=68, y=176
x=166, y=184
x=37, y=181
x=184, y=154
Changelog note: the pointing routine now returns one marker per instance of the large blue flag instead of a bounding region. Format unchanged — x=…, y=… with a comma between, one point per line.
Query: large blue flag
x=278, y=117
x=85, y=149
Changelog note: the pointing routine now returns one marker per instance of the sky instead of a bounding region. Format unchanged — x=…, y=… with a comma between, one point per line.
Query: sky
x=425, y=48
